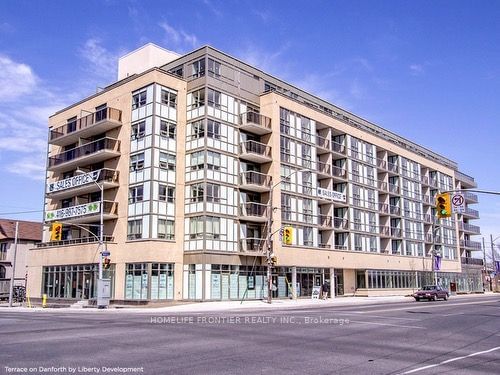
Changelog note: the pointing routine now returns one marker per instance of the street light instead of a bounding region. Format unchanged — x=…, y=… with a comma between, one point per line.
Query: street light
x=100, y=248
x=270, y=234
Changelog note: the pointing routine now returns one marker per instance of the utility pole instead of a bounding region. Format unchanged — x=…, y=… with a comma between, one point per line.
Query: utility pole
x=485, y=268
x=12, y=277
x=494, y=260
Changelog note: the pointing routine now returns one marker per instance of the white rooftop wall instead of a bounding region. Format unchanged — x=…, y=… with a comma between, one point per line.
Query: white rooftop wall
x=144, y=58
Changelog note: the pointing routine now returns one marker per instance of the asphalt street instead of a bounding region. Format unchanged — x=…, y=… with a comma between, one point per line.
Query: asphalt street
x=460, y=336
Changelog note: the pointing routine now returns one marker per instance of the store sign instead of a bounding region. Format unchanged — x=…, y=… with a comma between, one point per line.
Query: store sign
x=74, y=211
x=330, y=194
x=74, y=181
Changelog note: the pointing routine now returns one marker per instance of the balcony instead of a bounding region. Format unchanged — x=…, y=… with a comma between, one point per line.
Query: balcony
x=395, y=232
x=89, y=153
x=340, y=223
x=424, y=180
x=472, y=262
x=256, y=212
x=471, y=245
x=429, y=238
x=323, y=169
x=428, y=219
x=84, y=127
x=323, y=145
x=381, y=164
x=466, y=227
x=394, y=189
x=83, y=213
x=255, y=123
x=83, y=184
x=325, y=221
x=382, y=185
x=339, y=172
x=427, y=200
x=385, y=231
x=394, y=210
x=393, y=168
x=255, y=181
x=255, y=151
x=338, y=148
x=470, y=197
x=469, y=212
x=383, y=208
x=255, y=246
x=75, y=241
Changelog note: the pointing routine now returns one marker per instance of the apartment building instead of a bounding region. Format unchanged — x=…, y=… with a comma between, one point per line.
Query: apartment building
x=193, y=154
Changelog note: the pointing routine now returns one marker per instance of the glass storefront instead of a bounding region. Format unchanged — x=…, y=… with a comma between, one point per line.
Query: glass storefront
x=149, y=281
x=73, y=281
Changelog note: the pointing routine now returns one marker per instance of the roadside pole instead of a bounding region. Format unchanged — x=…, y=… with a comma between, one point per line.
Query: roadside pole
x=12, y=277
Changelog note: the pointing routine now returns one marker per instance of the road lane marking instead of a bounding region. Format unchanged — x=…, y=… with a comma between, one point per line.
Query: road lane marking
x=450, y=360
x=385, y=324
x=382, y=316
x=428, y=305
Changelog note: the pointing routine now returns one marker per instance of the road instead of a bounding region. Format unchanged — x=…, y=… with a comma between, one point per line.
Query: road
x=460, y=336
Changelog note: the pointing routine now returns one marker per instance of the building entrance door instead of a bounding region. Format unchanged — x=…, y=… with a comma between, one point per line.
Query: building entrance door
x=339, y=282
x=87, y=285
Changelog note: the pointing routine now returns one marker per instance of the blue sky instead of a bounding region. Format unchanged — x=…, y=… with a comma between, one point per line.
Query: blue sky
x=427, y=70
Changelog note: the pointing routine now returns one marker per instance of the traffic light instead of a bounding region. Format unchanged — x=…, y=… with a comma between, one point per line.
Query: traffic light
x=443, y=205
x=287, y=235
x=274, y=260
x=106, y=263
x=56, y=232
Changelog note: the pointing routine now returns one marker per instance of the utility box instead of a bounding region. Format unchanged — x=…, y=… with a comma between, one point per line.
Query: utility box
x=103, y=292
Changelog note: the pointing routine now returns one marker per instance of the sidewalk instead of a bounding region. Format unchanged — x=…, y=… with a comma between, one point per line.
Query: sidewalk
x=249, y=305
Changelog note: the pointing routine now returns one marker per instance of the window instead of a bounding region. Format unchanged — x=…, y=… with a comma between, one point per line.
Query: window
x=136, y=194
x=178, y=71
x=134, y=229
x=3, y=251
x=197, y=192
x=167, y=129
x=68, y=202
x=213, y=160
x=356, y=218
x=358, y=242
x=213, y=129
x=71, y=124
x=166, y=193
x=198, y=98
x=286, y=207
x=139, y=99
x=285, y=149
x=196, y=227
x=198, y=68
x=138, y=130
x=356, y=195
x=167, y=161
x=214, y=68
x=197, y=160
x=214, y=98
x=213, y=193
x=305, y=127
x=198, y=129
x=308, y=236
x=373, y=244
x=166, y=229
x=137, y=162
x=169, y=98
x=213, y=227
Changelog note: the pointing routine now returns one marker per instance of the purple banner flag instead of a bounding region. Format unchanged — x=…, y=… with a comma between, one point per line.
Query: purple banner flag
x=437, y=263
x=497, y=266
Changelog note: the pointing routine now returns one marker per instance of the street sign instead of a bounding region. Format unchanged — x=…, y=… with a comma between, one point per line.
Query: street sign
x=457, y=203
x=106, y=253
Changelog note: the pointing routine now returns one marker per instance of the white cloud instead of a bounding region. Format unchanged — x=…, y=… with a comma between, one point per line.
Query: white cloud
x=213, y=8
x=178, y=38
x=16, y=79
x=417, y=69
x=269, y=62
x=32, y=167
x=103, y=63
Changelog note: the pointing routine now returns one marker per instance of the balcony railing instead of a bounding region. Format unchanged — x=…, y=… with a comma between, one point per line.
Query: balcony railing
x=394, y=188
x=473, y=245
x=255, y=122
x=472, y=261
x=394, y=210
x=322, y=142
x=384, y=231
x=254, y=245
x=383, y=208
x=340, y=223
x=381, y=163
x=469, y=228
x=323, y=168
x=325, y=221
x=339, y=172
x=470, y=197
x=79, y=213
x=257, y=179
x=382, y=185
x=471, y=212
x=87, y=149
x=255, y=210
x=255, y=151
x=395, y=232
x=339, y=148
x=74, y=241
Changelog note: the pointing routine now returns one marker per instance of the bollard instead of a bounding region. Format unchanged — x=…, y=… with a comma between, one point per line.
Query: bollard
x=44, y=300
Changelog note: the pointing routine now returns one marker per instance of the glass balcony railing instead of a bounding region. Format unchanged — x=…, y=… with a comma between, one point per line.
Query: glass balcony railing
x=255, y=178
x=255, y=122
x=87, y=149
x=105, y=114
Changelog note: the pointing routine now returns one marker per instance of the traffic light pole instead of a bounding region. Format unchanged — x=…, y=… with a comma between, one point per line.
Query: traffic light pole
x=12, y=277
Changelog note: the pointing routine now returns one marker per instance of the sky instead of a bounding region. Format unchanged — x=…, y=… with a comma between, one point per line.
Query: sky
x=426, y=70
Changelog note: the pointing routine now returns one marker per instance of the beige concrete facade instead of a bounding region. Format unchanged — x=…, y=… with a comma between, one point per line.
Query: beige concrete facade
x=203, y=270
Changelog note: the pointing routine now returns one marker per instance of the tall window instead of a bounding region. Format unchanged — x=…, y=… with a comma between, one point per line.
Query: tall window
x=286, y=207
x=168, y=98
x=166, y=193
x=139, y=99
x=213, y=227
x=214, y=98
x=138, y=130
x=134, y=229
x=213, y=160
x=137, y=162
x=136, y=194
x=198, y=98
x=3, y=251
x=167, y=129
x=198, y=129
x=167, y=161
x=198, y=68
x=213, y=193
x=166, y=229
x=308, y=236
x=214, y=68
x=213, y=129
x=358, y=242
